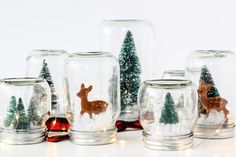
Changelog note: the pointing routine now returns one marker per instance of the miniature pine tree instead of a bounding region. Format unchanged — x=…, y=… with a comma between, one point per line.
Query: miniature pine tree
x=130, y=71
x=207, y=78
x=45, y=74
x=168, y=113
x=32, y=114
x=11, y=113
x=21, y=116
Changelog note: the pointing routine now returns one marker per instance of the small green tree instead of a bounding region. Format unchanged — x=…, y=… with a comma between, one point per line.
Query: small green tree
x=32, y=114
x=207, y=78
x=11, y=113
x=45, y=74
x=21, y=116
x=130, y=71
x=168, y=113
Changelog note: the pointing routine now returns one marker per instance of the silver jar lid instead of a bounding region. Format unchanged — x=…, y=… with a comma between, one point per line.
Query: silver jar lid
x=168, y=83
x=22, y=81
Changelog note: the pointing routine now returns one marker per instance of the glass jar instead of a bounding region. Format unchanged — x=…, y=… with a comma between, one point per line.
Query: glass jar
x=92, y=85
x=25, y=105
x=168, y=111
x=133, y=42
x=174, y=74
x=49, y=64
x=212, y=73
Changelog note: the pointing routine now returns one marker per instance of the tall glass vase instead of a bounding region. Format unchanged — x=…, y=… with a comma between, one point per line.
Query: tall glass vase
x=133, y=43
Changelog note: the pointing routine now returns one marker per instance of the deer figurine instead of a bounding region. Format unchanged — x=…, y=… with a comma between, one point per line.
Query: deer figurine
x=209, y=104
x=90, y=107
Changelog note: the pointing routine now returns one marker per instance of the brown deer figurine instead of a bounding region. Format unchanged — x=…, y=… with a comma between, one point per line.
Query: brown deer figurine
x=90, y=107
x=209, y=104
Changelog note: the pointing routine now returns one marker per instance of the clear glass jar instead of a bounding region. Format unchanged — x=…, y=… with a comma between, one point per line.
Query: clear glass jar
x=168, y=111
x=25, y=105
x=133, y=42
x=174, y=74
x=49, y=64
x=92, y=85
x=212, y=73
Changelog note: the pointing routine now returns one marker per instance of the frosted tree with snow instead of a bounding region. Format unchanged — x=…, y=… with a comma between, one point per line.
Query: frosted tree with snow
x=45, y=74
x=130, y=71
x=11, y=113
x=168, y=113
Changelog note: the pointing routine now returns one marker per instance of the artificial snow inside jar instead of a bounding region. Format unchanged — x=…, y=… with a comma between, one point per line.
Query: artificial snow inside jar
x=212, y=73
x=48, y=64
x=92, y=85
x=25, y=106
x=133, y=43
x=168, y=112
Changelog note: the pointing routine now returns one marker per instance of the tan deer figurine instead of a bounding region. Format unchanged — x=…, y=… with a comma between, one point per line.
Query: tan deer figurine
x=209, y=104
x=90, y=107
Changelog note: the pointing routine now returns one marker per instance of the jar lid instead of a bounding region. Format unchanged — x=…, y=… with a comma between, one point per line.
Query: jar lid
x=168, y=83
x=175, y=72
x=47, y=52
x=212, y=53
x=22, y=81
x=125, y=20
x=91, y=54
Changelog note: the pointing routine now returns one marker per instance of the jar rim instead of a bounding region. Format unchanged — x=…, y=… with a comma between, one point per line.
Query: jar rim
x=52, y=52
x=175, y=72
x=22, y=80
x=126, y=21
x=91, y=54
x=168, y=83
x=212, y=53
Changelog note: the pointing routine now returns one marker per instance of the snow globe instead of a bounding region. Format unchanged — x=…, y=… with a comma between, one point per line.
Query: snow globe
x=133, y=43
x=92, y=85
x=48, y=64
x=174, y=74
x=212, y=73
x=25, y=106
x=168, y=112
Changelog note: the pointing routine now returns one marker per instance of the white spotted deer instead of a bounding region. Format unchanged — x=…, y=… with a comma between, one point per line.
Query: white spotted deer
x=209, y=104
x=90, y=107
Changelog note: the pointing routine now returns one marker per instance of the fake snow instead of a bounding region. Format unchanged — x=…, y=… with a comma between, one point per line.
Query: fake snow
x=180, y=128
x=102, y=121
x=214, y=118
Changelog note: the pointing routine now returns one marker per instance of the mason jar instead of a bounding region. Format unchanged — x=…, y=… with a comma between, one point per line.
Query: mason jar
x=49, y=64
x=212, y=73
x=174, y=74
x=168, y=111
x=133, y=43
x=92, y=83
x=25, y=106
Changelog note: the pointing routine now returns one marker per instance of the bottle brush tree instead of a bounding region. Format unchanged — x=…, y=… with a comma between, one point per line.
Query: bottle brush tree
x=130, y=71
x=168, y=113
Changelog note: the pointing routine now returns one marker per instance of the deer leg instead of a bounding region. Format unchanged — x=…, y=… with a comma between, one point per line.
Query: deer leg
x=207, y=113
x=81, y=113
x=202, y=109
x=90, y=115
x=226, y=112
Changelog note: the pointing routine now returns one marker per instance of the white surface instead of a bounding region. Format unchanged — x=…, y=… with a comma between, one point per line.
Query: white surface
x=129, y=144
x=182, y=26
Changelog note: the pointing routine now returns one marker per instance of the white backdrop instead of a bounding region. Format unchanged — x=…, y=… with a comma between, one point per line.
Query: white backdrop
x=73, y=25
